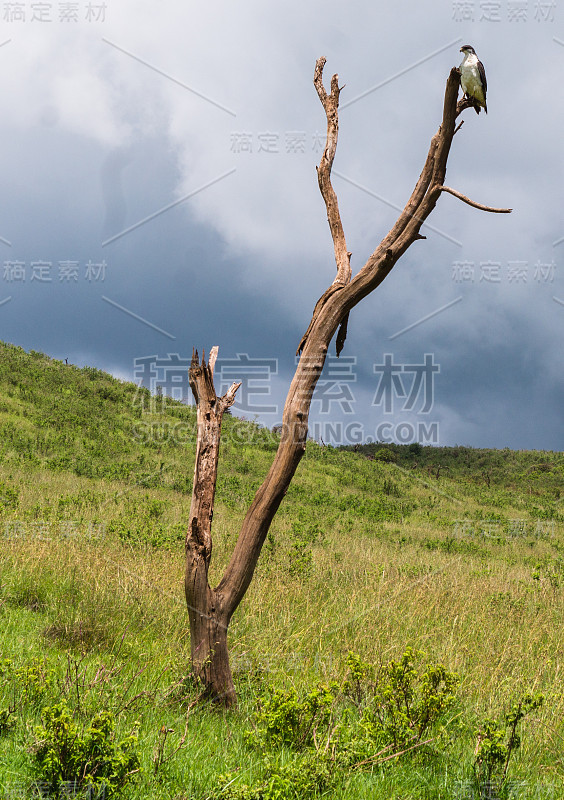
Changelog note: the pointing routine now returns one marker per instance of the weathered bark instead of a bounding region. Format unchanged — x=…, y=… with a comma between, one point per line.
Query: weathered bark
x=209, y=616
x=211, y=610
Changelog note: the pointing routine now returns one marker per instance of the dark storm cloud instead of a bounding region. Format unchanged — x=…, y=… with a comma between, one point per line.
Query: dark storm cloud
x=212, y=228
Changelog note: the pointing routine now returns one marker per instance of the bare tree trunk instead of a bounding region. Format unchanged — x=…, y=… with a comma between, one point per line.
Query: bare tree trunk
x=209, y=616
x=211, y=609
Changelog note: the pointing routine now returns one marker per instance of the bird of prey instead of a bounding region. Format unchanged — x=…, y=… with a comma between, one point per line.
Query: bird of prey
x=473, y=78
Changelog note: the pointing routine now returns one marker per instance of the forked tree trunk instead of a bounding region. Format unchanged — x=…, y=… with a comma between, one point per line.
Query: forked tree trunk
x=210, y=610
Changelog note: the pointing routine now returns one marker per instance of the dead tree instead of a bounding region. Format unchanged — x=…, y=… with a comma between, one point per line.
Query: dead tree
x=210, y=610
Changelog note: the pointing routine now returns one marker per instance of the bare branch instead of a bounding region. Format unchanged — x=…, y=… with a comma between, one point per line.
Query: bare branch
x=229, y=396
x=330, y=103
x=446, y=131
x=473, y=202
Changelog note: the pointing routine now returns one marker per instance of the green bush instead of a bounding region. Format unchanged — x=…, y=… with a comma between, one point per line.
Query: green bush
x=396, y=709
x=285, y=719
x=93, y=758
x=372, y=716
x=406, y=704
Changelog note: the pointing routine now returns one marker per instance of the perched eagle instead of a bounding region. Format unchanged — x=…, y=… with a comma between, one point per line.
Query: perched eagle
x=473, y=78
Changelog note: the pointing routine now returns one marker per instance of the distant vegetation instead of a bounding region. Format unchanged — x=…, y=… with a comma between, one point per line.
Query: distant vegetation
x=535, y=471
x=407, y=598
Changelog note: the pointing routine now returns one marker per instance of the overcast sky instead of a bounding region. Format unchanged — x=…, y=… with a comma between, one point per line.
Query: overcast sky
x=159, y=192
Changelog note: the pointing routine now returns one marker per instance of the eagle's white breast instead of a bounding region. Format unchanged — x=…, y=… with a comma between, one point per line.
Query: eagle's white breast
x=470, y=78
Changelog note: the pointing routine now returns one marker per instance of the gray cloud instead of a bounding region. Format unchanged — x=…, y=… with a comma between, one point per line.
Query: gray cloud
x=95, y=141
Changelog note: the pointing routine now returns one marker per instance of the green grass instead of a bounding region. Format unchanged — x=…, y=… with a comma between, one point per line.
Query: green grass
x=369, y=554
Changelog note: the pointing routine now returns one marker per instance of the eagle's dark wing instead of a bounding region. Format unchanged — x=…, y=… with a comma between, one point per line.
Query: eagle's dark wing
x=482, y=72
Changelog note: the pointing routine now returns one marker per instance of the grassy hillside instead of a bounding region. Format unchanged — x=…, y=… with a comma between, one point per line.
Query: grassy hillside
x=455, y=552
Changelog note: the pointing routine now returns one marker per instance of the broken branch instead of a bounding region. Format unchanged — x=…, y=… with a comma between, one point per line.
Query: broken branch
x=473, y=203
x=330, y=103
